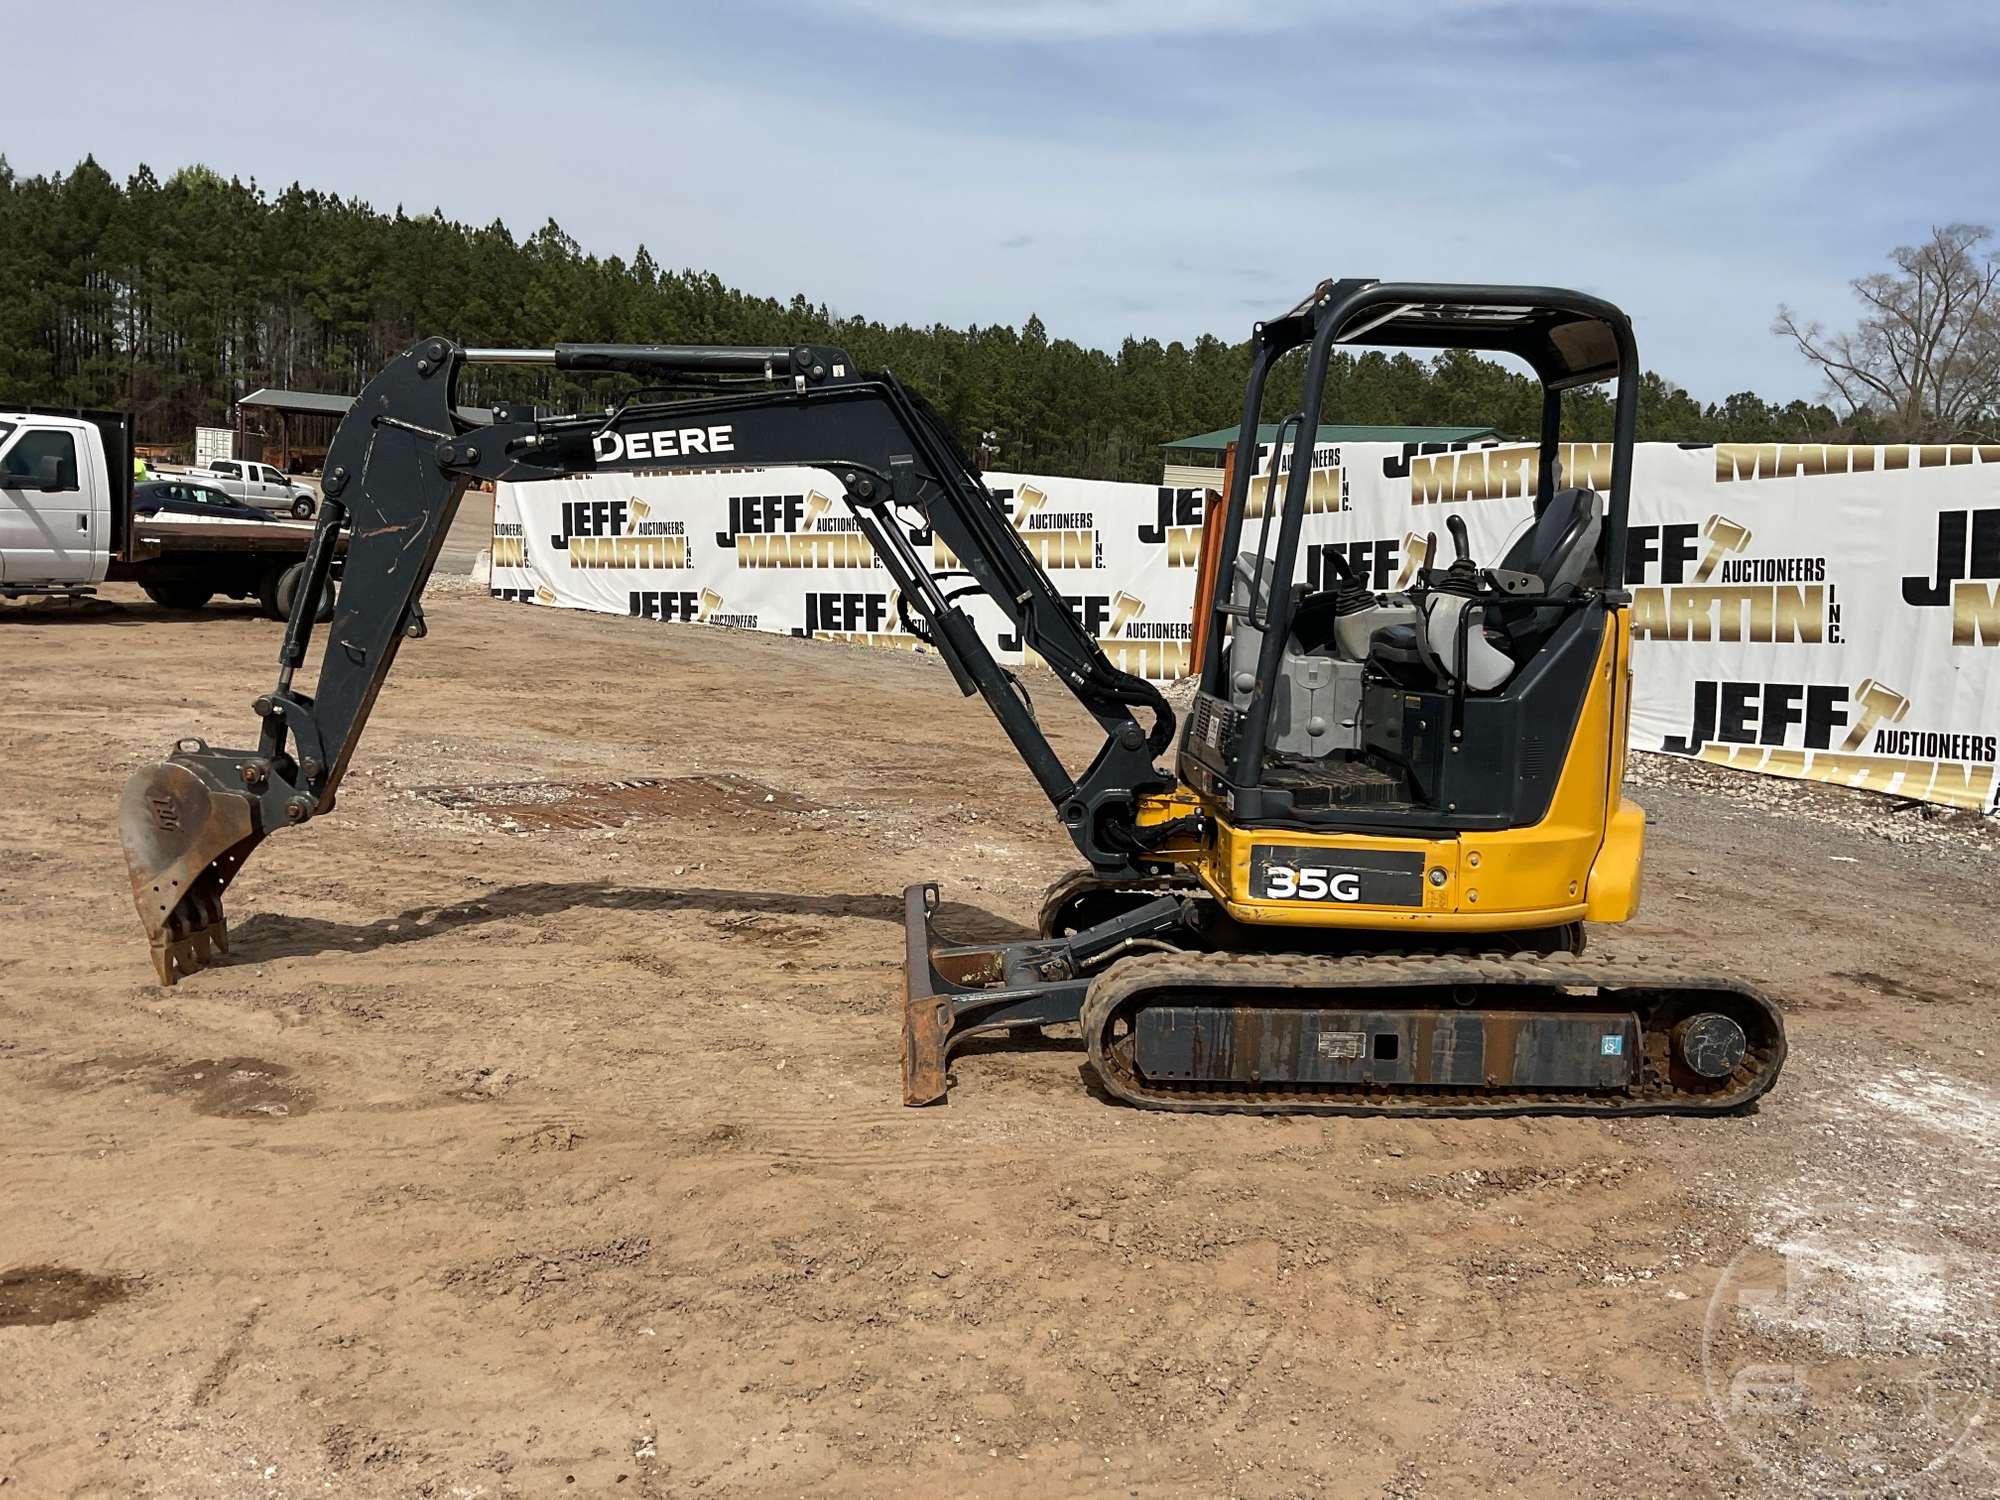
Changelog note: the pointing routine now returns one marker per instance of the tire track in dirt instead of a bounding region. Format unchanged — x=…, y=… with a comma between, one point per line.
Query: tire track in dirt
x=607, y=1172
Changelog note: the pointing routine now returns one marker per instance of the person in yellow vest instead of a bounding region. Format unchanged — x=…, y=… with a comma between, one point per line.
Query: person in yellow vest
x=140, y=474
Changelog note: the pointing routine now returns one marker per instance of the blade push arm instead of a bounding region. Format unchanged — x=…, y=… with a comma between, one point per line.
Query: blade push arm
x=394, y=475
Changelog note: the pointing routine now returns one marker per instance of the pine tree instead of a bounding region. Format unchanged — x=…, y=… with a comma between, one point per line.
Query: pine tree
x=172, y=298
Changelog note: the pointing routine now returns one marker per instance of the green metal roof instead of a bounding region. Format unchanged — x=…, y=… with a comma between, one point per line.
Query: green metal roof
x=1222, y=437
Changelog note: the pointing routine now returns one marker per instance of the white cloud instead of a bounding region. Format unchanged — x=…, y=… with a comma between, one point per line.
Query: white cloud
x=1693, y=176
x=1835, y=24
x=1079, y=20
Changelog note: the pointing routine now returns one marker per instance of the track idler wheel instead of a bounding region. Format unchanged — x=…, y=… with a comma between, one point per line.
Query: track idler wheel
x=1710, y=1045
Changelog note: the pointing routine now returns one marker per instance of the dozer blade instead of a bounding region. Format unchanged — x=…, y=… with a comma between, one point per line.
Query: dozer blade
x=184, y=842
x=953, y=991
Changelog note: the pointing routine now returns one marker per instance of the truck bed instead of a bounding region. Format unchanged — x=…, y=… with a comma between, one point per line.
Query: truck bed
x=153, y=536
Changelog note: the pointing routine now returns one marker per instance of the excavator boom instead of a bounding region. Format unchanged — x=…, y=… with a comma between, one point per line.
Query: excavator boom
x=394, y=474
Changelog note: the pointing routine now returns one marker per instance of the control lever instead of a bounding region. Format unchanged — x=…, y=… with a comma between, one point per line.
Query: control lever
x=1462, y=577
x=1502, y=580
x=1454, y=635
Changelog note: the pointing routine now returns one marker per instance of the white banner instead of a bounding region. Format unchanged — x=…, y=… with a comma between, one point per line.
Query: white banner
x=775, y=549
x=1800, y=609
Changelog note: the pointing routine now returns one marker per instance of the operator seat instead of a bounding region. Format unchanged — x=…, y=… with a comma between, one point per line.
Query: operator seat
x=1560, y=548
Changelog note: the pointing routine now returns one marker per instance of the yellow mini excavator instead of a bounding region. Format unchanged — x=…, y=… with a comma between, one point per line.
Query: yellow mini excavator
x=1361, y=887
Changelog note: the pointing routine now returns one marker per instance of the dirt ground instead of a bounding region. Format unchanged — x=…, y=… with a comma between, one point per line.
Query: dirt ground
x=508, y=1159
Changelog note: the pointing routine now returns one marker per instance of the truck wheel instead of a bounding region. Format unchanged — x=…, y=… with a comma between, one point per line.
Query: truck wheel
x=267, y=592
x=178, y=594
x=288, y=592
x=302, y=507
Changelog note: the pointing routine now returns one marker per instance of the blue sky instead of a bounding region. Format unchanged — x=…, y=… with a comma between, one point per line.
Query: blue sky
x=1162, y=167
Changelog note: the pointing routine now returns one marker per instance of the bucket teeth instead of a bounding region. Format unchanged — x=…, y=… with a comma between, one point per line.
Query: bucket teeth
x=184, y=842
x=174, y=957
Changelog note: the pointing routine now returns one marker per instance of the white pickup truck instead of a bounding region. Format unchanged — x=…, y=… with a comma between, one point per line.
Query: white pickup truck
x=66, y=524
x=255, y=484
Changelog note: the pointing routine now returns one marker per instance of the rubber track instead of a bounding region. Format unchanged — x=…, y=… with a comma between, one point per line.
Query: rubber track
x=1372, y=975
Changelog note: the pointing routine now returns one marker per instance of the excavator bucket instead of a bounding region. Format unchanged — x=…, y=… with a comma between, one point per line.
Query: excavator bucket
x=184, y=842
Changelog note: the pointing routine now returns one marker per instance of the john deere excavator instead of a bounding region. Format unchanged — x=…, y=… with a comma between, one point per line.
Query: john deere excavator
x=1361, y=888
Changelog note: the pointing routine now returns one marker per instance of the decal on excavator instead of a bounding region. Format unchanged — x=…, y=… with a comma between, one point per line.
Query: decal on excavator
x=1360, y=877
x=664, y=442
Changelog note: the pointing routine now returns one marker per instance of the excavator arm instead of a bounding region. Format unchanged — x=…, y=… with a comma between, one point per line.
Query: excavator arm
x=394, y=474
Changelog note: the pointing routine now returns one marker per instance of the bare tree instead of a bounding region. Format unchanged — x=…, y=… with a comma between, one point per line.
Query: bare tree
x=1924, y=359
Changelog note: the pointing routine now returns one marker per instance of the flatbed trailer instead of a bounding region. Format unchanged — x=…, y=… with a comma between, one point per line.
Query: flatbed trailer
x=67, y=524
x=175, y=558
